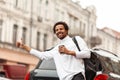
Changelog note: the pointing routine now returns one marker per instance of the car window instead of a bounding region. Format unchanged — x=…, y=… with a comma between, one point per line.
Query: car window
x=47, y=64
x=106, y=63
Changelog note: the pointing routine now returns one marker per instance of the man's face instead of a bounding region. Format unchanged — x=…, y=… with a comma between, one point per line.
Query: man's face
x=60, y=31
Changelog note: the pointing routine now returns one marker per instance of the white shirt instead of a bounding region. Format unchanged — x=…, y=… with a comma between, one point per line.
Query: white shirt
x=66, y=65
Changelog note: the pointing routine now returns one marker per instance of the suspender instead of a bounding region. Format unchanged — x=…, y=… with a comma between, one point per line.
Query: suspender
x=76, y=43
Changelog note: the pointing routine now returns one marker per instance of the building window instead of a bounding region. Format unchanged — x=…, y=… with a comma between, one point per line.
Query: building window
x=1, y=22
x=46, y=2
x=15, y=29
x=84, y=29
x=56, y=15
x=16, y=3
x=38, y=40
x=80, y=24
x=39, y=7
x=47, y=13
x=45, y=41
x=92, y=30
x=22, y=4
x=24, y=34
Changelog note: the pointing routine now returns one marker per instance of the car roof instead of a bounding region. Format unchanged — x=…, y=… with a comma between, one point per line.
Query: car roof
x=106, y=53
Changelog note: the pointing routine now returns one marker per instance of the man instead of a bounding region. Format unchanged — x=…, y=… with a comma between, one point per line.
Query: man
x=68, y=59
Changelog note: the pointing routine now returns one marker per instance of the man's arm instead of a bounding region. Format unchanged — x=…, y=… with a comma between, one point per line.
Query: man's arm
x=39, y=54
x=21, y=45
x=83, y=53
x=78, y=54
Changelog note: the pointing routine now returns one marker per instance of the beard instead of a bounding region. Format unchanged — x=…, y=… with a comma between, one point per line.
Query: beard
x=61, y=35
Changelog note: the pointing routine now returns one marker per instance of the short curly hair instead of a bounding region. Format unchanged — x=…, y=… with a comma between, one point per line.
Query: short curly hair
x=62, y=23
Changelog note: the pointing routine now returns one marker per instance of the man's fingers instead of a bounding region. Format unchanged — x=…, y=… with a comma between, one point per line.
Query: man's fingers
x=19, y=42
x=61, y=49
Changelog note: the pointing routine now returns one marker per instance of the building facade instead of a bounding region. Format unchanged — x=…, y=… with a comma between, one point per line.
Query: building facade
x=33, y=21
x=110, y=40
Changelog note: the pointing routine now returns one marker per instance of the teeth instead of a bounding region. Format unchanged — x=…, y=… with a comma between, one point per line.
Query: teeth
x=59, y=34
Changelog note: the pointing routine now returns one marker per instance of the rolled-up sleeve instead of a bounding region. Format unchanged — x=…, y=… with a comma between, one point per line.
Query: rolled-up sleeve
x=83, y=54
x=84, y=51
x=42, y=55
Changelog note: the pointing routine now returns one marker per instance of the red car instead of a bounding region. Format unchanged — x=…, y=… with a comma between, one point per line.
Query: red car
x=13, y=72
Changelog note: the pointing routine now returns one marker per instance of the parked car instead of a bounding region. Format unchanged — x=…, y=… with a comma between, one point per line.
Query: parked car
x=13, y=72
x=110, y=63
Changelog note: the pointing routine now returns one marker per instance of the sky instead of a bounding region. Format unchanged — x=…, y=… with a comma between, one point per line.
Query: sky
x=107, y=11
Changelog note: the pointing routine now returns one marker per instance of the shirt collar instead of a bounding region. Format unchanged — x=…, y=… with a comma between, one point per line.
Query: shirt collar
x=65, y=39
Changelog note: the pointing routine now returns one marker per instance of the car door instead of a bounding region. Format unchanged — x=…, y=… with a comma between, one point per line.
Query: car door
x=45, y=70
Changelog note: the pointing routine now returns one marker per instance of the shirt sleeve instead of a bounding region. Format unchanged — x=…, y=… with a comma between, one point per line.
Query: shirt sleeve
x=42, y=55
x=84, y=51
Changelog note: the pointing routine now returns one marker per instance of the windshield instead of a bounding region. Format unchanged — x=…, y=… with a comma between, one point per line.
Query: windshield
x=47, y=65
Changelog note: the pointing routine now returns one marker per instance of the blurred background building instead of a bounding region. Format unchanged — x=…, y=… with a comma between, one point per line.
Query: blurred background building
x=110, y=40
x=33, y=22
